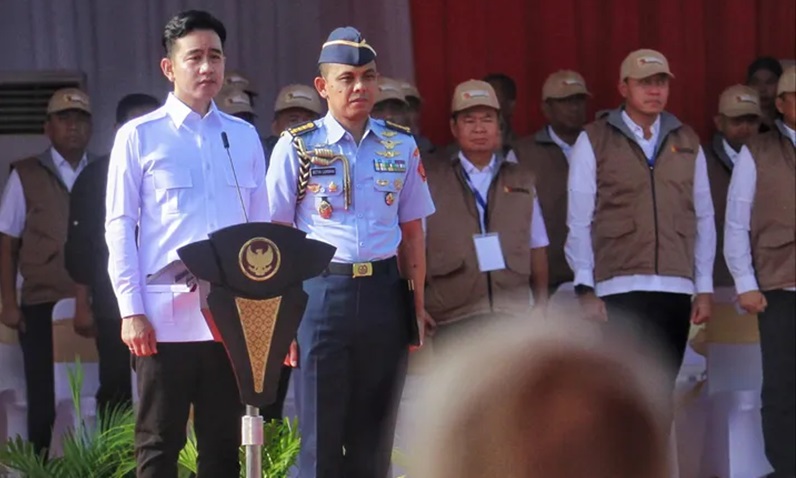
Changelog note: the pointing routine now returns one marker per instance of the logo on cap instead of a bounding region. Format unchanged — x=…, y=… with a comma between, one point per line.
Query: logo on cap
x=572, y=81
x=645, y=60
x=746, y=99
x=298, y=95
x=234, y=80
x=259, y=259
x=238, y=100
x=467, y=95
x=388, y=88
x=76, y=99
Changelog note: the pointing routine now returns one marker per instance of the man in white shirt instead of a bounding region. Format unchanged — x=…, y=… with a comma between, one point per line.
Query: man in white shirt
x=487, y=208
x=738, y=120
x=547, y=152
x=170, y=177
x=760, y=249
x=33, y=221
x=641, y=234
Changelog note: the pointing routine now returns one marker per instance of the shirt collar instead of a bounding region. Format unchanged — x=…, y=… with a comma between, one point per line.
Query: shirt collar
x=788, y=131
x=179, y=111
x=638, y=131
x=470, y=168
x=557, y=140
x=60, y=161
x=335, y=131
x=731, y=153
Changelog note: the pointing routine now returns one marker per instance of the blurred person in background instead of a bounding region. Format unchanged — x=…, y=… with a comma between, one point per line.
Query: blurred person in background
x=295, y=104
x=556, y=403
x=762, y=75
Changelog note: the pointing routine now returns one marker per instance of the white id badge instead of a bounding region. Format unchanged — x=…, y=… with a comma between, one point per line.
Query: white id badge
x=489, y=253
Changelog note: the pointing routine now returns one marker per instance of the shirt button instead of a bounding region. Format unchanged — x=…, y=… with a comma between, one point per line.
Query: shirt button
x=360, y=215
x=362, y=244
x=359, y=186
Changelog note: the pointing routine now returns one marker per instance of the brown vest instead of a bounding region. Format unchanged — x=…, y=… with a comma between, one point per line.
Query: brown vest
x=41, y=253
x=773, y=222
x=719, y=173
x=644, y=219
x=455, y=288
x=549, y=164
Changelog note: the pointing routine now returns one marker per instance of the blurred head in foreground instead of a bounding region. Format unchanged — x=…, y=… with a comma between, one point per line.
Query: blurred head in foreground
x=550, y=403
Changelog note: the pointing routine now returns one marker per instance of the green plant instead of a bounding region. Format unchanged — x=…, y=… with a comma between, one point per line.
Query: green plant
x=279, y=453
x=105, y=450
x=102, y=450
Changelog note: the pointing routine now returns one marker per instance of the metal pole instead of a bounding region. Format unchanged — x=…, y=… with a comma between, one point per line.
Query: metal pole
x=252, y=439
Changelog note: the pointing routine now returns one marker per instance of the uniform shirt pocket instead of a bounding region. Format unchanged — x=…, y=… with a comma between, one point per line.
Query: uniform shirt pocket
x=172, y=189
x=387, y=189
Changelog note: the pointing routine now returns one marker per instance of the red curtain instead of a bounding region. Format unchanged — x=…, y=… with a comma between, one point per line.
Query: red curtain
x=708, y=44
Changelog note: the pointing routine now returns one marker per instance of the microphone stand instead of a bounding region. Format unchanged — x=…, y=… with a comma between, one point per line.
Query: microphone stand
x=252, y=422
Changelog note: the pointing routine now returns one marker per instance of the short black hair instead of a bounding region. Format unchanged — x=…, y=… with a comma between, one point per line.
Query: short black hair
x=131, y=102
x=506, y=83
x=188, y=21
x=764, y=63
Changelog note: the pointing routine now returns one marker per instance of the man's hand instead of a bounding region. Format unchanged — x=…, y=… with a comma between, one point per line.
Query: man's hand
x=139, y=336
x=12, y=317
x=753, y=302
x=701, y=309
x=539, y=311
x=593, y=307
x=427, y=325
x=292, y=359
x=84, y=321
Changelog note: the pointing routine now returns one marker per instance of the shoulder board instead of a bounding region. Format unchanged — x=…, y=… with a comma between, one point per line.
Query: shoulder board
x=302, y=128
x=397, y=127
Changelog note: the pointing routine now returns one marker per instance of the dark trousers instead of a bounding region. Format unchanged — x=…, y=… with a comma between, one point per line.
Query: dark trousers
x=37, y=352
x=353, y=346
x=115, y=387
x=179, y=375
x=777, y=344
x=657, y=321
x=274, y=410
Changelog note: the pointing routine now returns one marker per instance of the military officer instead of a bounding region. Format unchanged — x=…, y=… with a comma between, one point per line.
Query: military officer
x=358, y=184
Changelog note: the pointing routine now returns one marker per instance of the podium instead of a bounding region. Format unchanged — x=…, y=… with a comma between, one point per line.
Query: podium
x=250, y=280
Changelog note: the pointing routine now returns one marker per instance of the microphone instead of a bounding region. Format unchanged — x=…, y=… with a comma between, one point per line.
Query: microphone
x=225, y=141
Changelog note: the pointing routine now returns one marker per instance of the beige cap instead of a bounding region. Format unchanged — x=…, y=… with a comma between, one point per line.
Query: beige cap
x=473, y=93
x=563, y=84
x=233, y=79
x=739, y=100
x=69, y=99
x=233, y=101
x=410, y=91
x=644, y=63
x=298, y=96
x=390, y=89
x=787, y=82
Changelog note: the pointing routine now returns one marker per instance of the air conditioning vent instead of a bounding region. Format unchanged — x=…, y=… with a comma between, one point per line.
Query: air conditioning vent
x=24, y=97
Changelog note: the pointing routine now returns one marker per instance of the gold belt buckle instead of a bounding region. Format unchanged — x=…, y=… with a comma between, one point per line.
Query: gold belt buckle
x=363, y=269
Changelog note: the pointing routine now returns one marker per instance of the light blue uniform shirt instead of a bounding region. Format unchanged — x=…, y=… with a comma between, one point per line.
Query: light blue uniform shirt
x=387, y=181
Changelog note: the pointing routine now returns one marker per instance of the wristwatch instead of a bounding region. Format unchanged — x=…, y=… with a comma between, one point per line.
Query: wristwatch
x=581, y=289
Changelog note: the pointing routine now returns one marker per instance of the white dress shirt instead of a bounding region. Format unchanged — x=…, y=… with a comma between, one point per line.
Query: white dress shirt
x=581, y=202
x=13, y=208
x=731, y=153
x=737, y=222
x=170, y=176
x=482, y=179
x=566, y=148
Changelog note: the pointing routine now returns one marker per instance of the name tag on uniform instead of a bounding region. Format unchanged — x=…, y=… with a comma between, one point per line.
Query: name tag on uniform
x=488, y=252
x=322, y=172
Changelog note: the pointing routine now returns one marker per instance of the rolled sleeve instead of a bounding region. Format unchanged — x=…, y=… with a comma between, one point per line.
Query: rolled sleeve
x=122, y=204
x=281, y=181
x=415, y=199
x=12, y=207
x=582, y=193
x=737, y=223
x=538, y=230
x=705, y=243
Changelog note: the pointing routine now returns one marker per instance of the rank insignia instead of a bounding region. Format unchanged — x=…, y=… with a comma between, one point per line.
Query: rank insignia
x=388, y=153
x=389, y=134
x=389, y=144
x=389, y=199
x=398, y=184
x=382, y=182
x=314, y=188
x=333, y=187
x=325, y=209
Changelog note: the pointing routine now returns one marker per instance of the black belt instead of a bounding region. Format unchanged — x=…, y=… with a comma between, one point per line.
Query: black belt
x=362, y=269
